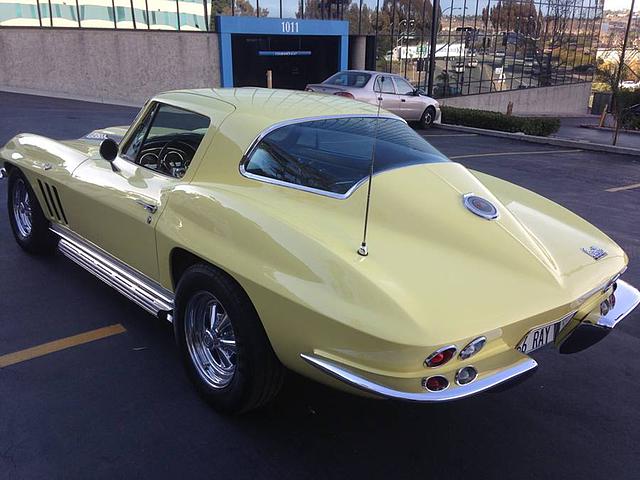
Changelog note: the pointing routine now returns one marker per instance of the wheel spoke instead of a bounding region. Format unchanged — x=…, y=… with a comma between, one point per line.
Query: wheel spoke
x=222, y=324
x=213, y=316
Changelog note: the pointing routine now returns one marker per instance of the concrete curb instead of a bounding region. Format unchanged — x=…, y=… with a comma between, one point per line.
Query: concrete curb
x=561, y=142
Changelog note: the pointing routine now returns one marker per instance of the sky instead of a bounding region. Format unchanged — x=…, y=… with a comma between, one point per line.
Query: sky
x=620, y=5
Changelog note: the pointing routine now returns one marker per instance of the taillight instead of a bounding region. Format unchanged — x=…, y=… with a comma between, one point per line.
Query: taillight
x=435, y=384
x=344, y=94
x=440, y=357
x=308, y=89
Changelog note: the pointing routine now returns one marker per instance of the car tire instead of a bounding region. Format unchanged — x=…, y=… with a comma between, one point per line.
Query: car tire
x=29, y=225
x=428, y=117
x=222, y=342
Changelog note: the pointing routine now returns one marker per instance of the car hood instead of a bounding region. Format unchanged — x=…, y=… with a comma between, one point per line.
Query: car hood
x=440, y=263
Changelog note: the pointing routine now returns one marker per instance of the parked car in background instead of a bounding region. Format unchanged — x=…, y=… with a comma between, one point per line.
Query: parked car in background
x=237, y=214
x=629, y=85
x=393, y=92
x=459, y=67
x=472, y=62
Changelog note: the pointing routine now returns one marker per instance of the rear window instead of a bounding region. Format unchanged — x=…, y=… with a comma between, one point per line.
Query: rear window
x=333, y=155
x=349, y=79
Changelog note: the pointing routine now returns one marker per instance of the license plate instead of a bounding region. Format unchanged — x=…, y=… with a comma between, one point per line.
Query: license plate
x=541, y=336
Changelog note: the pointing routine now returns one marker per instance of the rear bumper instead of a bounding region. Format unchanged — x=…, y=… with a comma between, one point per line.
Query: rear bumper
x=595, y=326
x=518, y=365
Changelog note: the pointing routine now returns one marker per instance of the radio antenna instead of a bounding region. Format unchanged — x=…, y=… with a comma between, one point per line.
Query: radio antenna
x=364, y=249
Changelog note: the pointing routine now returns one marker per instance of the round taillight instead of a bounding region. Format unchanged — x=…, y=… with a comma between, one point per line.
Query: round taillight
x=473, y=347
x=612, y=301
x=466, y=375
x=435, y=384
x=344, y=94
x=604, y=308
x=440, y=357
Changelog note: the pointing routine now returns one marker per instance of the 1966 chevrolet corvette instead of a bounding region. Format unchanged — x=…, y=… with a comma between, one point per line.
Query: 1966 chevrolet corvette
x=239, y=214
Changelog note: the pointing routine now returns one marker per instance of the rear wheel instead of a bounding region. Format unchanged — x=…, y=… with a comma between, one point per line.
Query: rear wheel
x=223, y=345
x=28, y=223
x=428, y=117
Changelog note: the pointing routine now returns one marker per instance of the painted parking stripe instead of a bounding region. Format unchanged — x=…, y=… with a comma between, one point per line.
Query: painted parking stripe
x=502, y=154
x=427, y=135
x=626, y=187
x=61, y=344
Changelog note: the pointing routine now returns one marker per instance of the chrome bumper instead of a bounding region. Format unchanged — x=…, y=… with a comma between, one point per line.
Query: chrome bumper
x=516, y=369
x=595, y=326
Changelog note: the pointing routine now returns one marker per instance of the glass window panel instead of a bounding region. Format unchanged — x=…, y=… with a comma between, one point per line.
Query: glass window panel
x=269, y=8
x=163, y=15
x=64, y=13
x=291, y=9
x=95, y=16
x=368, y=17
x=314, y=9
x=140, y=14
x=192, y=15
x=19, y=14
x=245, y=7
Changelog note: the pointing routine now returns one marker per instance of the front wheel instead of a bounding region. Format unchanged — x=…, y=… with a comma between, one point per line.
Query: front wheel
x=223, y=345
x=428, y=117
x=29, y=225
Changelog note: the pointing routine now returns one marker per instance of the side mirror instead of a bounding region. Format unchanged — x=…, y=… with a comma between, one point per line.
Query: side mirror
x=109, y=151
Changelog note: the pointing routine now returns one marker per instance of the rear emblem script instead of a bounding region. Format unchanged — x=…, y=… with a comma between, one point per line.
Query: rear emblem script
x=595, y=252
x=480, y=206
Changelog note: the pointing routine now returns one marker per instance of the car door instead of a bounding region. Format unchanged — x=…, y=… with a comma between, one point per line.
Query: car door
x=411, y=105
x=385, y=92
x=118, y=204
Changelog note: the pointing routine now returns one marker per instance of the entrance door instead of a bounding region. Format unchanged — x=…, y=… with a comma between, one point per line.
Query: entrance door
x=294, y=60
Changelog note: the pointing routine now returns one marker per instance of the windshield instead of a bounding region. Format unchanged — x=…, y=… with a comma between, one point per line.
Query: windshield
x=349, y=79
x=333, y=155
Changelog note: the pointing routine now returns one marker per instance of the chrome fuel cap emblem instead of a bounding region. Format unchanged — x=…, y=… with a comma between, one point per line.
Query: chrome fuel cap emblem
x=480, y=206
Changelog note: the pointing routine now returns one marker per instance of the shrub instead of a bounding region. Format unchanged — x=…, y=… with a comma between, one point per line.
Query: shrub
x=541, y=126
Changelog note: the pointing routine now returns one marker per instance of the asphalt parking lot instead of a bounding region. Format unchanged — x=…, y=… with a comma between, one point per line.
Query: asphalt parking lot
x=121, y=407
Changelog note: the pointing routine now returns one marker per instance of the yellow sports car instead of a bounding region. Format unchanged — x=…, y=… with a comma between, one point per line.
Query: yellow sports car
x=291, y=229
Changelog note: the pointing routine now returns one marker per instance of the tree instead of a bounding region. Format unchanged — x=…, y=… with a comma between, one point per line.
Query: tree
x=520, y=16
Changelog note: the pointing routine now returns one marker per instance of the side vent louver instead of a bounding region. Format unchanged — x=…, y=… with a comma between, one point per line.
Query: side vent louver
x=52, y=200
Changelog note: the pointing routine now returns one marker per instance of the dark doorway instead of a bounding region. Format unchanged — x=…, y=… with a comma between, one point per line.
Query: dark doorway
x=294, y=61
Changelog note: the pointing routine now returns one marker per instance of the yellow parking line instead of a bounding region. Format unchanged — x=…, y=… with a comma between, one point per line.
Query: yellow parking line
x=626, y=187
x=57, y=345
x=502, y=154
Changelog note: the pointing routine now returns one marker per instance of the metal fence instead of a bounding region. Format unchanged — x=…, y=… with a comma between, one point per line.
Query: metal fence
x=480, y=46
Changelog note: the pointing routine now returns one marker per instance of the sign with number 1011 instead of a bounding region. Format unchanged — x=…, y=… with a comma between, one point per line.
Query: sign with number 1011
x=290, y=27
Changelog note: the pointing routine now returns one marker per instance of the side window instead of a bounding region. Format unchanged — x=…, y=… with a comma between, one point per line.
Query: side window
x=384, y=84
x=403, y=87
x=167, y=140
x=129, y=152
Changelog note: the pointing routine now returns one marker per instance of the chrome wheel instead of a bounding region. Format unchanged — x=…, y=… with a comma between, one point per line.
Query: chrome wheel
x=22, y=212
x=210, y=339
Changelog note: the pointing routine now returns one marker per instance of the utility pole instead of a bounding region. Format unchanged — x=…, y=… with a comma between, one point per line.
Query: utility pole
x=616, y=105
x=432, y=48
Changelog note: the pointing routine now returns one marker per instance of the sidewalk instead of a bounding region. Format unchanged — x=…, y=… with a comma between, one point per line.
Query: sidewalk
x=570, y=129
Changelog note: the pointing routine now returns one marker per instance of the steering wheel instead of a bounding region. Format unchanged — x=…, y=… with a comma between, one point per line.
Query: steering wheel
x=166, y=165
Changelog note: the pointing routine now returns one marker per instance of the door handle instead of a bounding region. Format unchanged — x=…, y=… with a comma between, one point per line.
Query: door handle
x=402, y=100
x=149, y=207
x=379, y=99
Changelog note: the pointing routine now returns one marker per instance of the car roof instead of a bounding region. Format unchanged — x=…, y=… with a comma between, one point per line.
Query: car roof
x=248, y=111
x=273, y=105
